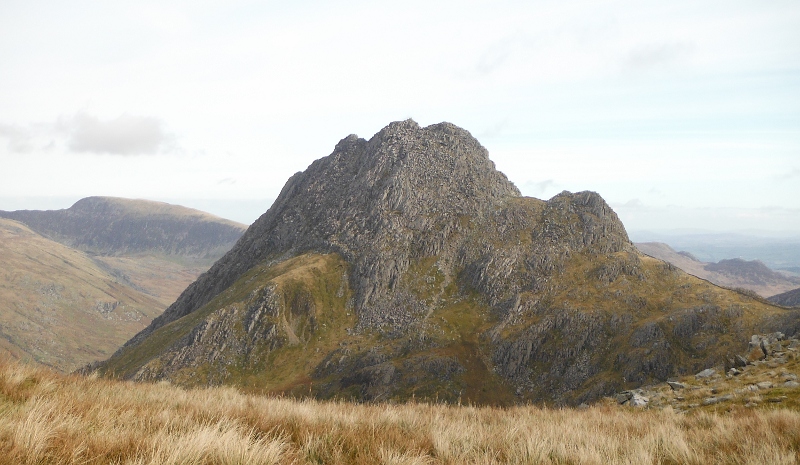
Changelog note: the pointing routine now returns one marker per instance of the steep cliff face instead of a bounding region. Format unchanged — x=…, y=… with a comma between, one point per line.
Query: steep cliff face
x=407, y=266
x=407, y=192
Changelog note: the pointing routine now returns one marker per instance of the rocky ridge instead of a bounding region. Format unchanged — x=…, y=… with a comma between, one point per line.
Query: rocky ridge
x=765, y=375
x=407, y=266
x=375, y=203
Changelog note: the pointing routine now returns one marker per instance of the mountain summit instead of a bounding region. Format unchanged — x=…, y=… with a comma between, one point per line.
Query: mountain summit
x=407, y=265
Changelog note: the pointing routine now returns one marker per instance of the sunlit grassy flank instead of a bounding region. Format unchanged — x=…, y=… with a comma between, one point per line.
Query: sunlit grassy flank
x=47, y=418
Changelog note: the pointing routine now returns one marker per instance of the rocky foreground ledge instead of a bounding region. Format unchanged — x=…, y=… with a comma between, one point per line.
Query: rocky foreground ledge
x=766, y=375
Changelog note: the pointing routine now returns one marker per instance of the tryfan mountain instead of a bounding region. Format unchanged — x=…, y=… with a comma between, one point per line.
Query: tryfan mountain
x=407, y=267
x=77, y=283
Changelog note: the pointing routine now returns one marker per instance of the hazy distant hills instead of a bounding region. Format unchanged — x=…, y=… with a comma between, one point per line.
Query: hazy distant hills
x=787, y=299
x=780, y=252
x=106, y=268
x=732, y=273
x=407, y=267
x=116, y=226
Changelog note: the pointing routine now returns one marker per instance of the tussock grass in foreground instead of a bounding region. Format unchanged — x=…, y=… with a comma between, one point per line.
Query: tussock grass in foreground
x=47, y=418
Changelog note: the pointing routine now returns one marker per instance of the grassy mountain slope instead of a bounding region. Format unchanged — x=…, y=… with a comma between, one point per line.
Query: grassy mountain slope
x=734, y=273
x=289, y=327
x=79, y=282
x=59, y=307
x=51, y=419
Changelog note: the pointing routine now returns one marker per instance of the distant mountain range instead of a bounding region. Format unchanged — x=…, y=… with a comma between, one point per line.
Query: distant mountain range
x=407, y=267
x=733, y=273
x=777, y=251
x=77, y=283
x=116, y=226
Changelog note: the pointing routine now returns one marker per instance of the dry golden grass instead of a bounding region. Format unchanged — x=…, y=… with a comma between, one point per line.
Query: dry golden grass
x=48, y=298
x=49, y=418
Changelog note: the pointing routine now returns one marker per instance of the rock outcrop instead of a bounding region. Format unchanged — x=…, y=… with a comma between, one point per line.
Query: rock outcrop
x=408, y=266
x=772, y=379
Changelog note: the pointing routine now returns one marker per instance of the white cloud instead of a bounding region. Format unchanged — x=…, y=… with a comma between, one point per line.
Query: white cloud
x=637, y=216
x=19, y=139
x=634, y=204
x=695, y=100
x=125, y=135
x=794, y=173
x=538, y=189
x=85, y=133
x=653, y=55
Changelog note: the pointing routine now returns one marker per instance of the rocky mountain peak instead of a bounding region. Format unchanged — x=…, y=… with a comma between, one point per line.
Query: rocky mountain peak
x=408, y=193
x=407, y=265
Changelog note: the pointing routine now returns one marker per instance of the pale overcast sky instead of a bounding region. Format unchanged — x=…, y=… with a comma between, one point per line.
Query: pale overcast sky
x=681, y=114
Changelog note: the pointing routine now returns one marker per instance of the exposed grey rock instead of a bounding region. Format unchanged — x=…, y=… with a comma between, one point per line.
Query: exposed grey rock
x=739, y=361
x=623, y=397
x=791, y=384
x=375, y=203
x=768, y=343
x=638, y=400
x=675, y=385
x=764, y=385
x=715, y=400
x=707, y=373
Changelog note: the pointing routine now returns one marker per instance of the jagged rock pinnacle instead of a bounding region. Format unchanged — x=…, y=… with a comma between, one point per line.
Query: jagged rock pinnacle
x=407, y=193
x=364, y=198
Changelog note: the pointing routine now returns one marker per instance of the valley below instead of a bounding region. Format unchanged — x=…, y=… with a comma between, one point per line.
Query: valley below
x=74, y=287
x=752, y=275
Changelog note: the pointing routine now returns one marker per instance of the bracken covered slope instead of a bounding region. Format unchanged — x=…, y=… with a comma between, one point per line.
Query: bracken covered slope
x=407, y=266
